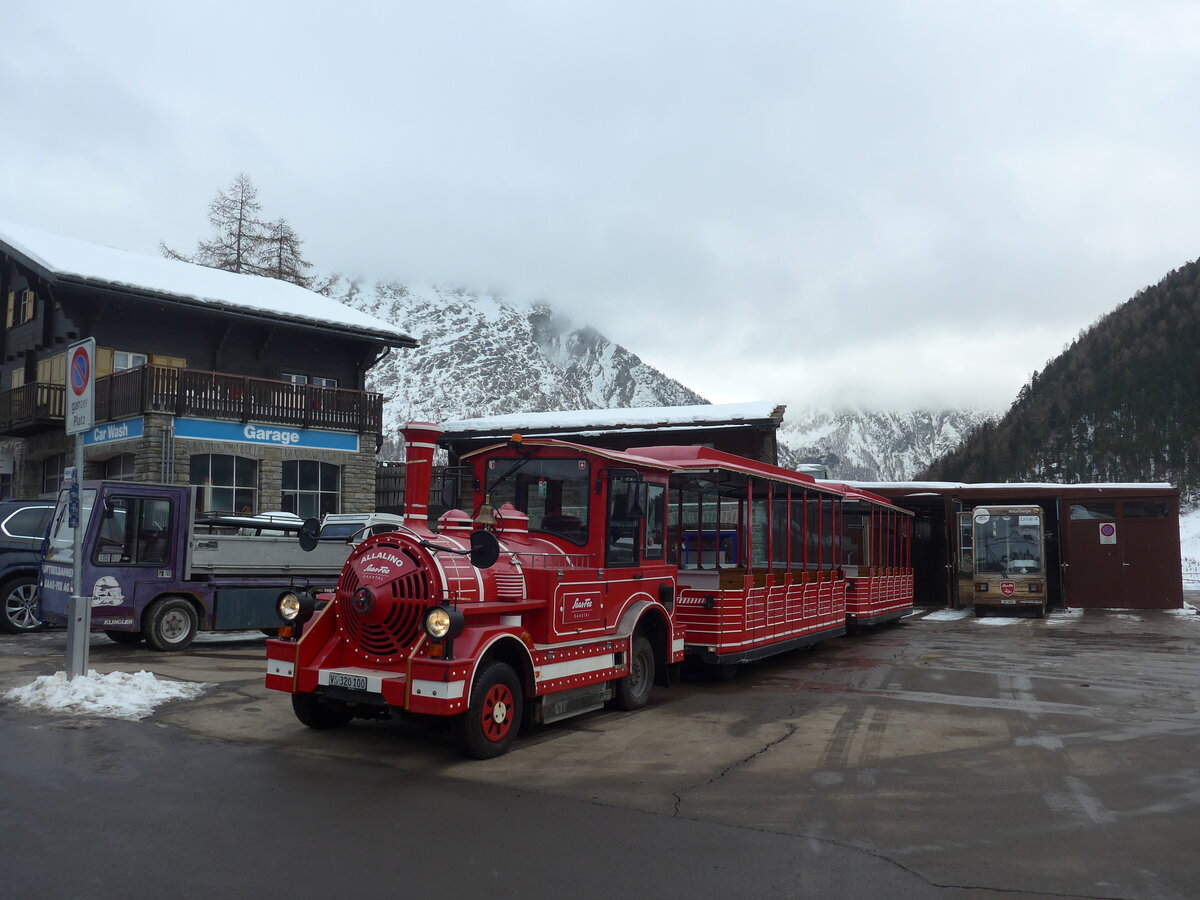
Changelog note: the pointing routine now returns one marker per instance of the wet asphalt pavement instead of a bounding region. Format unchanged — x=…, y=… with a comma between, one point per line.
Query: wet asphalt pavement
x=936, y=758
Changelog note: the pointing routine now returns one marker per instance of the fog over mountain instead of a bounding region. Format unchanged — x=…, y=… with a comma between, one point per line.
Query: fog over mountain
x=485, y=355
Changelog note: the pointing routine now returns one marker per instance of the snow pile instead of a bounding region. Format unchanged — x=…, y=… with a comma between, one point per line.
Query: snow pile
x=118, y=695
x=945, y=615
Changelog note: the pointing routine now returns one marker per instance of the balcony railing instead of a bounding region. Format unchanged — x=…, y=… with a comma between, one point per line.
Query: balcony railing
x=192, y=392
x=31, y=407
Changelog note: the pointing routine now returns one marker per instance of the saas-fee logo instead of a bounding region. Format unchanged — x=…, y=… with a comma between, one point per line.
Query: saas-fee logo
x=384, y=565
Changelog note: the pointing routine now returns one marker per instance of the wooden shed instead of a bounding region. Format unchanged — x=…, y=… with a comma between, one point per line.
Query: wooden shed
x=1108, y=546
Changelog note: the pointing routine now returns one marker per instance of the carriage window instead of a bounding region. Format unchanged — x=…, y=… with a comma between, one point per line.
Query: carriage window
x=552, y=492
x=626, y=511
x=827, y=542
x=655, y=520
x=797, y=516
x=760, y=516
x=779, y=529
x=853, y=540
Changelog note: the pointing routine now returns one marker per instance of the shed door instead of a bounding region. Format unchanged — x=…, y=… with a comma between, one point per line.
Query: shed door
x=1122, y=555
x=1149, y=538
x=1093, y=576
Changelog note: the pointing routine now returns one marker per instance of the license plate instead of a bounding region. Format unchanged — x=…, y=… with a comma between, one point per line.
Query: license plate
x=354, y=682
x=1007, y=602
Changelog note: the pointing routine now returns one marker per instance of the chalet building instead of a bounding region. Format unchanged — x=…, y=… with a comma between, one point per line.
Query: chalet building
x=252, y=388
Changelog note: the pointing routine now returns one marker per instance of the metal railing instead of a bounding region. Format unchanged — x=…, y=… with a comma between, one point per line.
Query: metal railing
x=194, y=392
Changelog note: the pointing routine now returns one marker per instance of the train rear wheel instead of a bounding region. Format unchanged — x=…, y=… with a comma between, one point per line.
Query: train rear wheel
x=493, y=717
x=633, y=691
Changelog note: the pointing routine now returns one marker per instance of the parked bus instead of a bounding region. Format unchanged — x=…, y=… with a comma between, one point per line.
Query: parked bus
x=1003, y=553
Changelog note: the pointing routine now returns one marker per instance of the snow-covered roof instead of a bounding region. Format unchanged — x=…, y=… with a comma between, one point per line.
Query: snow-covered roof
x=711, y=414
x=938, y=487
x=69, y=261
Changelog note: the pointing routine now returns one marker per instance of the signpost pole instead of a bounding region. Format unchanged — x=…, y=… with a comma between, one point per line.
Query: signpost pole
x=80, y=417
x=79, y=620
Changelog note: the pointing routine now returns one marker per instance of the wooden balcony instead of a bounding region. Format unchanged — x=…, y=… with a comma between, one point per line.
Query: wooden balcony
x=31, y=408
x=192, y=392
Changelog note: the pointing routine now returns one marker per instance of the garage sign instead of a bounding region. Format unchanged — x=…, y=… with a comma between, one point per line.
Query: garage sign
x=1108, y=532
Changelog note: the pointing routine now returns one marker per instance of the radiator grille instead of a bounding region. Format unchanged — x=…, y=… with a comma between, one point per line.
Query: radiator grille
x=394, y=621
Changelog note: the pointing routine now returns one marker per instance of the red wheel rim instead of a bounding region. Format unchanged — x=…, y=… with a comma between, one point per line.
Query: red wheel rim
x=497, y=712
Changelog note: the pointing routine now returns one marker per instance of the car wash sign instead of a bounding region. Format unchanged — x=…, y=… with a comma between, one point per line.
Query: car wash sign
x=81, y=386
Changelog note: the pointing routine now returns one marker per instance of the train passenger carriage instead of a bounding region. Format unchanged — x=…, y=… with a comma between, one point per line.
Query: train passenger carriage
x=770, y=560
x=876, y=559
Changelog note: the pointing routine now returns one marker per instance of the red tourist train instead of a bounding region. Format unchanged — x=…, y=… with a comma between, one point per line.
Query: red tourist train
x=583, y=577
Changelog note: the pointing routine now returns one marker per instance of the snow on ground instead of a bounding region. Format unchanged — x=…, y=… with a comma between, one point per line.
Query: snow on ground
x=118, y=695
x=1189, y=544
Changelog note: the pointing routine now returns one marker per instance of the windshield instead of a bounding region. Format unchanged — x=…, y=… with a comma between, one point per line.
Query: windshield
x=1008, y=543
x=552, y=492
x=62, y=535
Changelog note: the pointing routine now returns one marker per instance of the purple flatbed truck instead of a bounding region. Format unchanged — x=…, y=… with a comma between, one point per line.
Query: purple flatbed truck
x=153, y=572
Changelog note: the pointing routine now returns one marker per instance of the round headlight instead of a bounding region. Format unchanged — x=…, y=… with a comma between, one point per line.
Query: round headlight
x=289, y=606
x=437, y=623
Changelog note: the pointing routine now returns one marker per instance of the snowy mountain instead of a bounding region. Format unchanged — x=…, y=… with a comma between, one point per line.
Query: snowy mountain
x=482, y=355
x=861, y=445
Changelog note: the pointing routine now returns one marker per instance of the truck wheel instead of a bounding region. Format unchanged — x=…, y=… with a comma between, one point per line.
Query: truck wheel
x=312, y=712
x=493, y=717
x=170, y=624
x=124, y=637
x=20, y=613
x=633, y=691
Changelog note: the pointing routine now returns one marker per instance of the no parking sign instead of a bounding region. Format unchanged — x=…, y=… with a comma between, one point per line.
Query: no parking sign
x=81, y=386
x=1108, y=532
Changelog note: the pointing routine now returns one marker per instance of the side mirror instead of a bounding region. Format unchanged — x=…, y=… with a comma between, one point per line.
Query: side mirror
x=310, y=534
x=485, y=549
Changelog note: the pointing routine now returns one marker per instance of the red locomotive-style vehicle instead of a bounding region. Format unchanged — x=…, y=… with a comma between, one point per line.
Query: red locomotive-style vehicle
x=582, y=579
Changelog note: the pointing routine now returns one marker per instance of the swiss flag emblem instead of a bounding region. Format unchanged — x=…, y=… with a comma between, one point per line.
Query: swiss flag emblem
x=1007, y=588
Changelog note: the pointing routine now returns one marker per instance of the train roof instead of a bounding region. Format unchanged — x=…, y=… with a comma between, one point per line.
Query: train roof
x=673, y=458
x=685, y=458
x=620, y=456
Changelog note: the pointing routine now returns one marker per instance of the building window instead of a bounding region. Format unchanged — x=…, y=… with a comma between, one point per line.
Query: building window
x=52, y=370
x=316, y=380
x=52, y=473
x=229, y=484
x=119, y=468
x=20, y=307
x=6, y=487
x=123, y=359
x=310, y=488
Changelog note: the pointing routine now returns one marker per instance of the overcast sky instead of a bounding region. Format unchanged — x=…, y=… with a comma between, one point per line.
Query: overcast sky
x=890, y=204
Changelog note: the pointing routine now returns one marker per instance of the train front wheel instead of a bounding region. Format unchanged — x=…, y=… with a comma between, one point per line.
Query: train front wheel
x=493, y=717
